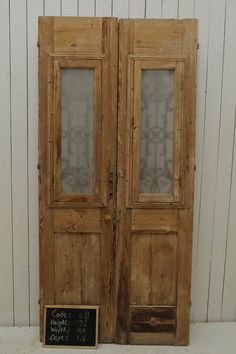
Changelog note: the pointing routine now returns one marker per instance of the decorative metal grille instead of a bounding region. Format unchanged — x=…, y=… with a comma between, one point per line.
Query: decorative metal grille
x=156, y=162
x=77, y=130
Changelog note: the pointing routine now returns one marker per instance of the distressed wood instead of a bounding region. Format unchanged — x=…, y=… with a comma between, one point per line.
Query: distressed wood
x=152, y=319
x=77, y=232
x=143, y=279
x=153, y=269
x=76, y=276
x=185, y=216
x=155, y=220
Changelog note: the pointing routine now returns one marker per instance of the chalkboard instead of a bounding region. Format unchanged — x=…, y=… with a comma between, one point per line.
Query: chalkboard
x=71, y=326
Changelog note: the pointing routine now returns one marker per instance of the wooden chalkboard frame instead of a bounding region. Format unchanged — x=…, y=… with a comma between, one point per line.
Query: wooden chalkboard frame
x=70, y=307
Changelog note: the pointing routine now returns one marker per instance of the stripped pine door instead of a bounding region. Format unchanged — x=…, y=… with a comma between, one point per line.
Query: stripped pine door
x=155, y=180
x=77, y=163
x=124, y=247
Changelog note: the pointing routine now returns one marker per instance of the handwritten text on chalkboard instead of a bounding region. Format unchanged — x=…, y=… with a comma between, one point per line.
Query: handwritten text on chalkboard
x=71, y=326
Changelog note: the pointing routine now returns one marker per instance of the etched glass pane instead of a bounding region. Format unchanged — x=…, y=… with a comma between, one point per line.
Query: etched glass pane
x=77, y=130
x=156, y=162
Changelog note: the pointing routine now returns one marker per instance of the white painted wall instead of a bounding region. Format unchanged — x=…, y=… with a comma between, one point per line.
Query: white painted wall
x=214, y=243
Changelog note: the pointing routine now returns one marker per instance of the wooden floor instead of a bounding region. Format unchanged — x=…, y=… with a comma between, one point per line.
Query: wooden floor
x=211, y=338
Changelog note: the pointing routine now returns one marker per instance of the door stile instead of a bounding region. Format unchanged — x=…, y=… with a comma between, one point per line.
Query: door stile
x=185, y=216
x=123, y=214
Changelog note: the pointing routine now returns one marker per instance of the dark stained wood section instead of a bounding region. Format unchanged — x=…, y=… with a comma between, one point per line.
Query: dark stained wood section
x=153, y=319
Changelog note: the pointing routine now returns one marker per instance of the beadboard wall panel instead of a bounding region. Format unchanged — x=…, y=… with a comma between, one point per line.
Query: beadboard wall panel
x=214, y=245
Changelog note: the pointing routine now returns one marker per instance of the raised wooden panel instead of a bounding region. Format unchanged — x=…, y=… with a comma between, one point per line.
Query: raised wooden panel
x=77, y=220
x=153, y=273
x=156, y=325
x=157, y=219
x=152, y=319
x=86, y=36
x=77, y=268
x=161, y=38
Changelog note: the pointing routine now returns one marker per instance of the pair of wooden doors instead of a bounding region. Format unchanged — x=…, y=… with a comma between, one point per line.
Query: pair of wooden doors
x=116, y=172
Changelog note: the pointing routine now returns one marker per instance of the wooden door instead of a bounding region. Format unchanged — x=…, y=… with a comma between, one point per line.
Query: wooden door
x=77, y=164
x=156, y=134
x=126, y=248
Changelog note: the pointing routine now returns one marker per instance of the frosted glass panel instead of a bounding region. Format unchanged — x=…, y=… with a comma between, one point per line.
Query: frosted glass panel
x=77, y=130
x=157, y=97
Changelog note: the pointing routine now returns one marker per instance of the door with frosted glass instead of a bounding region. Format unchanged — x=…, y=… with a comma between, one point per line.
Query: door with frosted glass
x=124, y=246
x=77, y=164
x=156, y=127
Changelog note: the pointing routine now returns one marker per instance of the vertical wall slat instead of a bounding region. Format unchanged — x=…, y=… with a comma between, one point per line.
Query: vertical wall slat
x=137, y=9
x=19, y=159
x=186, y=9
x=103, y=8
x=6, y=275
x=205, y=273
x=218, y=238
x=154, y=8
x=170, y=9
x=87, y=8
x=69, y=7
x=52, y=7
x=202, y=10
x=224, y=177
x=229, y=286
x=121, y=8
x=34, y=9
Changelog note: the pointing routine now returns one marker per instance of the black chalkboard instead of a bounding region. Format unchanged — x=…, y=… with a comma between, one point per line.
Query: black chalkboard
x=71, y=326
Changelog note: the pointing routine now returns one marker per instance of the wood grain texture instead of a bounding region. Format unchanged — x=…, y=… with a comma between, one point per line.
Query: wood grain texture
x=155, y=220
x=152, y=319
x=135, y=264
x=123, y=215
x=68, y=232
x=68, y=41
x=77, y=278
x=153, y=269
x=185, y=225
x=153, y=9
